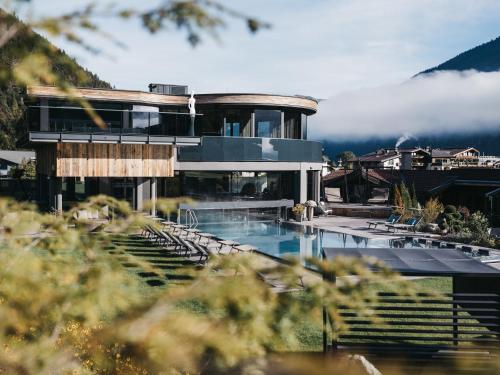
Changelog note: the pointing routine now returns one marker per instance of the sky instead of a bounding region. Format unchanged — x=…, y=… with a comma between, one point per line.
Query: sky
x=338, y=49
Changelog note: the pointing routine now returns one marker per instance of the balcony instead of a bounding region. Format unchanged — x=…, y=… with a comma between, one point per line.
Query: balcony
x=139, y=127
x=240, y=149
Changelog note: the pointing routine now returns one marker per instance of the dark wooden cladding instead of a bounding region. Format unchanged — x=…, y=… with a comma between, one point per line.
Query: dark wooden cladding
x=255, y=100
x=105, y=160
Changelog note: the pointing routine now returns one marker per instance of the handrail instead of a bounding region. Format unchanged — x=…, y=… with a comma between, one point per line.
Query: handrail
x=191, y=219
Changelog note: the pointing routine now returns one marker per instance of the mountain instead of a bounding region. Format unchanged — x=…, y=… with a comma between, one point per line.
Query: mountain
x=483, y=58
x=24, y=43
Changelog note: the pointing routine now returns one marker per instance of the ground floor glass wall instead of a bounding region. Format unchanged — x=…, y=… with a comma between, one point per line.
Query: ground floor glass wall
x=227, y=186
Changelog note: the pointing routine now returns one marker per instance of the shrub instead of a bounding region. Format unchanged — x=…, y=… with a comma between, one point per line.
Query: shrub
x=464, y=211
x=478, y=225
x=69, y=306
x=450, y=209
x=432, y=209
x=451, y=220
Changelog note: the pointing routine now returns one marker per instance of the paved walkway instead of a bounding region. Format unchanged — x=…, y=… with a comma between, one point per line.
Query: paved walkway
x=356, y=226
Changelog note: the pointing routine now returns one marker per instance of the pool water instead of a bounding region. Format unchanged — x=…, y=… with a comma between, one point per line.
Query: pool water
x=286, y=239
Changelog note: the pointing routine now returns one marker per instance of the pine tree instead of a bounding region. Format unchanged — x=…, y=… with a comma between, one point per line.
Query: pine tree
x=398, y=200
x=414, y=200
x=405, y=196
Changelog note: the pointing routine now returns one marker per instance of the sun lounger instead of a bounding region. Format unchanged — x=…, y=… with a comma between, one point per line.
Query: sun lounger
x=409, y=225
x=392, y=219
x=193, y=249
x=333, y=195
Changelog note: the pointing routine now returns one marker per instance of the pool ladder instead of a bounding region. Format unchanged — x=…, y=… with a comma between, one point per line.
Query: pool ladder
x=191, y=219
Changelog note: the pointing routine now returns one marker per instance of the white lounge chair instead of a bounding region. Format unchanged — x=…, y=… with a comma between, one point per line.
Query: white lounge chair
x=333, y=195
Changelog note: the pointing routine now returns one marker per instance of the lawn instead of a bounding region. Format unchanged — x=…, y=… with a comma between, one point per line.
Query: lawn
x=157, y=270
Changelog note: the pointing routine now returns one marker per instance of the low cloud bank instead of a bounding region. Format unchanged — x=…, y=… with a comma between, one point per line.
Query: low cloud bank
x=438, y=103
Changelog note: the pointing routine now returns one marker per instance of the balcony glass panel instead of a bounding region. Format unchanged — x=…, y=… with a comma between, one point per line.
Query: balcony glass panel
x=64, y=117
x=231, y=149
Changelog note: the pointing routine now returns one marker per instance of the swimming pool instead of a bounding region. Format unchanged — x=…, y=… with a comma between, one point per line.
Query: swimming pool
x=286, y=239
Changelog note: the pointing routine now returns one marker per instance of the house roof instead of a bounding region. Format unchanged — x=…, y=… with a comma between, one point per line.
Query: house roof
x=16, y=157
x=375, y=174
x=450, y=152
x=414, y=149
x=425, y=181
x=379, y=156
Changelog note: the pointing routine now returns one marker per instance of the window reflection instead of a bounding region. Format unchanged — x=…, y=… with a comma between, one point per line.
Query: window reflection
x=238, y=185
x=143, y=118
x=292, y=124
x=237, y=123
x=267, y=123
x=68, y=117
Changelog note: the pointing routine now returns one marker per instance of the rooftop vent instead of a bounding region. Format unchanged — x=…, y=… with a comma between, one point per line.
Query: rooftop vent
x=160, y=88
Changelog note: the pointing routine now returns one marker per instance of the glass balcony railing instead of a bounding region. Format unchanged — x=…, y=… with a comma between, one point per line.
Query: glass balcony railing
x=138, y=123
x=239, y=149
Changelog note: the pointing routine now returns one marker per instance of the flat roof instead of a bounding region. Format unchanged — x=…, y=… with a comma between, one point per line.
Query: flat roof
x=306, y=103
x=421, y=262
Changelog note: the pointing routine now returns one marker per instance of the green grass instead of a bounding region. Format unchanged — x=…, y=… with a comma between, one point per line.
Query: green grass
x=157, y=269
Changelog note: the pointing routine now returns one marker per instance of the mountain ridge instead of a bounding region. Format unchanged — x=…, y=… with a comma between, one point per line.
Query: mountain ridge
x=24, y=43
x=483, y=58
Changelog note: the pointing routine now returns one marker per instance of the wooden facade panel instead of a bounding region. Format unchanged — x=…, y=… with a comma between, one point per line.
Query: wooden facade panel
x=105, y=160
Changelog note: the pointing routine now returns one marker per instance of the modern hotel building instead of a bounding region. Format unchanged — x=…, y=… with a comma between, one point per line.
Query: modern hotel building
x=238, y=147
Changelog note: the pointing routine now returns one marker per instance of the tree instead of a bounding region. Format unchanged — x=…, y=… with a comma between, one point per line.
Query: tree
x=414, y=199
x=405, y=196
x=398, y=200
x=346, y=157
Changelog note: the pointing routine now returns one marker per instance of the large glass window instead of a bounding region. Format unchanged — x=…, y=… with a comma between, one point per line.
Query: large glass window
x=68, y=116
x=304, y=126
x=212, y=122
x=292, y=125
x=237, y=123
x=238, y=185
x=267, y=123
x=144, y=118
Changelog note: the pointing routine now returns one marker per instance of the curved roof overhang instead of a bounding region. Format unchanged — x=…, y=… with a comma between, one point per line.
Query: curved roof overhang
x=307, y=104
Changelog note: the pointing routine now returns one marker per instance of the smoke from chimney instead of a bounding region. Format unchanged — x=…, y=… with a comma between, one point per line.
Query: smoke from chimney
x=405, y=137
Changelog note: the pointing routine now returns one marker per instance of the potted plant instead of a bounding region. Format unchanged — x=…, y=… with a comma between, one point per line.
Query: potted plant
x=310, y=205
x=298, y=211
